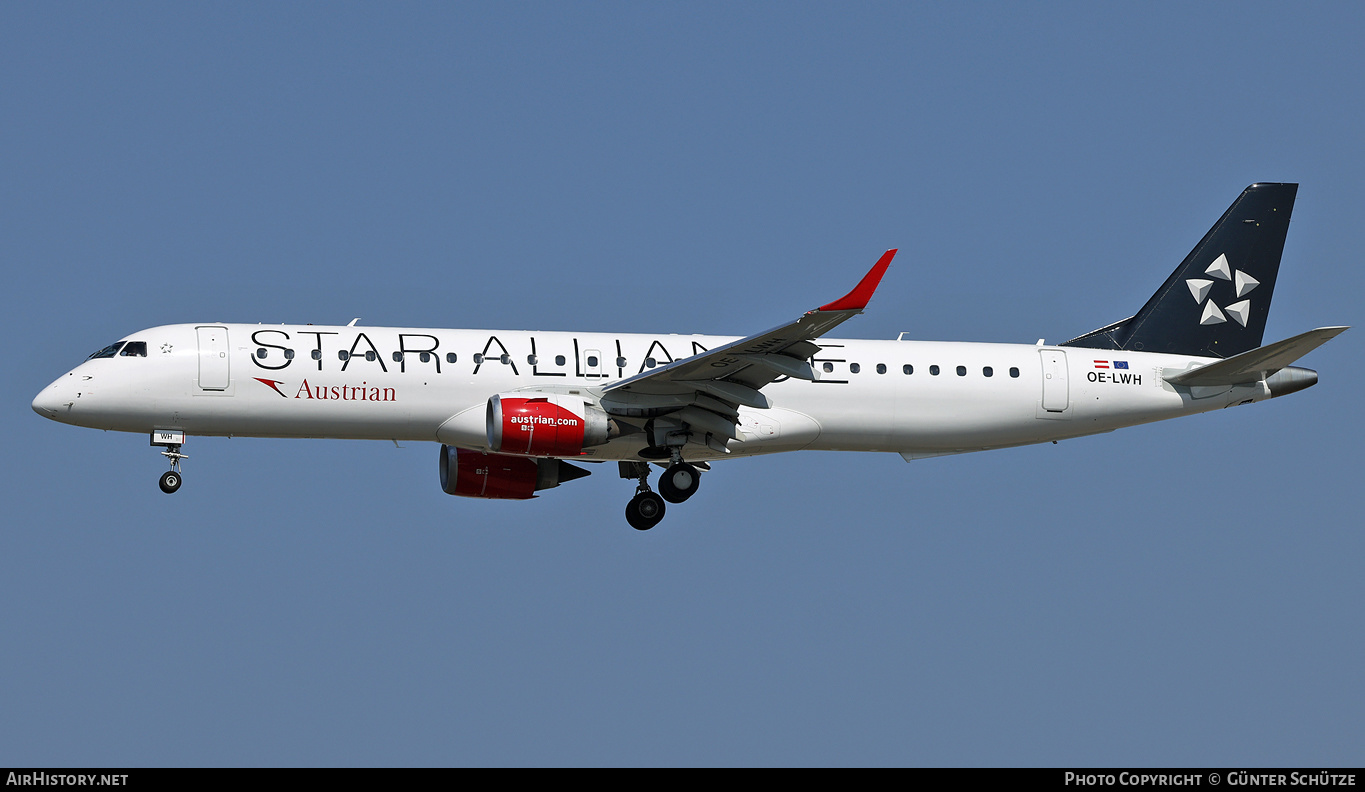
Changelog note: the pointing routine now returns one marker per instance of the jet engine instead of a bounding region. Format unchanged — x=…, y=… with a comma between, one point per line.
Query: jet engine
x=475, y=474
x=545, y=425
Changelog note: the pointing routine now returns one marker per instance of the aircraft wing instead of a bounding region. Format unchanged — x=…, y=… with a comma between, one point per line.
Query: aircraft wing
x=706, y=389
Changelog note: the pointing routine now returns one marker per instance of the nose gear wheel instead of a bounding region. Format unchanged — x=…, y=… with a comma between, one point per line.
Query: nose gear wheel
x=170, y=481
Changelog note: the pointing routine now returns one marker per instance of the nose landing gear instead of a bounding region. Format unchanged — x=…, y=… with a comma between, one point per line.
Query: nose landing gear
x=171, y=479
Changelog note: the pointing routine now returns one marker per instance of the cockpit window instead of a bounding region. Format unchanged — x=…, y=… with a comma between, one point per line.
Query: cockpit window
x=134, y=349
x=107, y=352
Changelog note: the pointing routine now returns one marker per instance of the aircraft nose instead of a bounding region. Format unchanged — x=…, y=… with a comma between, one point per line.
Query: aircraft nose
x=48, y=401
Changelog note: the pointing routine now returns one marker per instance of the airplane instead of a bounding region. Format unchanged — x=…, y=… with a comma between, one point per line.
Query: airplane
x=512, y=410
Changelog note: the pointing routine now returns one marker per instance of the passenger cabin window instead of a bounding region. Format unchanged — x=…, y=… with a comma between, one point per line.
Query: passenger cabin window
x=650, y=362
x=881, y=368
x=907, y=369
x=504, y=359
x=478, y=358
x=1014, y=372
x=988, y=372
x=962, y=371
x=620, y=362
x=559, y=360
x=933, y=371
x=530, y=360
x=134, y=349
x=107, y=352
x=592, y=361
x=371, y=356
x=343, y=354
x=450, y=357
x=397, y=357
x=288, y=354
x=828, y=367
x=854, y=367
x=262, y=352
x=425, y=357
x=317, y=354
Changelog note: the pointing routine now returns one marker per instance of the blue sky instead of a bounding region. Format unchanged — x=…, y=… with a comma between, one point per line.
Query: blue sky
x=1186, y=593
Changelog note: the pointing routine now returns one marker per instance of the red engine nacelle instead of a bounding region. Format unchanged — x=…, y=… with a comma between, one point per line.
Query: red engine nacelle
x=475, y=474
x=544, y=425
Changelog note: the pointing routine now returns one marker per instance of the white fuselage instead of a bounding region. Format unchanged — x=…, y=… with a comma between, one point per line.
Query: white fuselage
x=413, y=384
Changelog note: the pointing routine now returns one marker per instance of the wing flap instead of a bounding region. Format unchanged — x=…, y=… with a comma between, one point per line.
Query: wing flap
x=784, y=366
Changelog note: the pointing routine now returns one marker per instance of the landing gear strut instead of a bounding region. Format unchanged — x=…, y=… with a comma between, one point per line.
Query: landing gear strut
x=646, y=509
x=171, y=479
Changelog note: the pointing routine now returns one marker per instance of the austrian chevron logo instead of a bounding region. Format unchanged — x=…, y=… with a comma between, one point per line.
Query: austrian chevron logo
x=1243, y=284
x=272, y=384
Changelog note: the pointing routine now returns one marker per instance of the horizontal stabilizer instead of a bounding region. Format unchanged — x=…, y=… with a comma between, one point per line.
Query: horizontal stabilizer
x=1257, y=364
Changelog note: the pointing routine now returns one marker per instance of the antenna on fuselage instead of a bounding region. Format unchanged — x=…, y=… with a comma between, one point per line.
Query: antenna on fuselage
x=352, y=322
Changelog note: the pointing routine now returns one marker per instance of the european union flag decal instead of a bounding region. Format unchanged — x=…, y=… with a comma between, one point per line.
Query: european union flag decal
x=1120, y=364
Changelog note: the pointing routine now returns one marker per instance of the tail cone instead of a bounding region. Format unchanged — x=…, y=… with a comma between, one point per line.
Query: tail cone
x=1290, y=379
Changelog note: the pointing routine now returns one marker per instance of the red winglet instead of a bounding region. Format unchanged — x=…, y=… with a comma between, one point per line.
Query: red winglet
x=856, y=300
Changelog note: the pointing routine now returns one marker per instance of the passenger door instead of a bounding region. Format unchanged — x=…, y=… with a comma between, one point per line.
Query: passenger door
x=1056, y=392
x=214, y=361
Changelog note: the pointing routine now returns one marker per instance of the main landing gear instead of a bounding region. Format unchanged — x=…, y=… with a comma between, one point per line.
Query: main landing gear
x=646, y=509
x=171, y=479
x=678, y=483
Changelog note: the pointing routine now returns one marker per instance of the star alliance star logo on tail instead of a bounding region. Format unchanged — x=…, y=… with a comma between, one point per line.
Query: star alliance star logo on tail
x=1243, y=284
